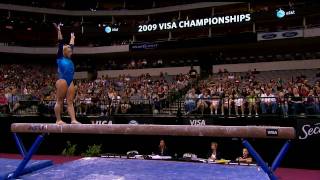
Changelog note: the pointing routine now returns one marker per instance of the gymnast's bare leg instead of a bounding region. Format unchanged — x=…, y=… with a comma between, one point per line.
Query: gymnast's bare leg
x=62, y=87
x=70, y=107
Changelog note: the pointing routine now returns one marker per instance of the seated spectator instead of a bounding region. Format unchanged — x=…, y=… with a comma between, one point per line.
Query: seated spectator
x=238, y=103
x=145, y=97
x=162, y=97
x=13, y=100
x=132, y=64
x=317, y=99
x=104, y=104
x=283, y=103
x=125, y=103
x=190, y=101
x=215, y=101
x=252, y=103
x=115, y=102
x=87, y=104
x=245, y=158
x=162, y=149
x=226, y=104
x=144, y=63
x=297, y=101
x=48, y=103
x=268, y=100
x=214, y=154
x=159, y=62
x=311, y=104
x=79, y=103
x=156, y=103
x=3, y=102
x=203, y=101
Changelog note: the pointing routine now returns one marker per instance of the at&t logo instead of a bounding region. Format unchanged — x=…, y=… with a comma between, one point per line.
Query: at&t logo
x=281, y=13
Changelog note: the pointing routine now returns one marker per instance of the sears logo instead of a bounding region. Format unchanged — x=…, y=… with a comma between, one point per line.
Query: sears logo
x=309, y=130
x=272, y=132
x=290, y=34
x=269, y=36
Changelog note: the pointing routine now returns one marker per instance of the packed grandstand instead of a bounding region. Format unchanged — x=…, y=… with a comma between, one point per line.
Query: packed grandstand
x=244, y=93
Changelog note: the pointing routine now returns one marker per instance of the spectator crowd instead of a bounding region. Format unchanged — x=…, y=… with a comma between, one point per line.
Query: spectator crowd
x=27, y=89
x=245, y=94
x=24, y=87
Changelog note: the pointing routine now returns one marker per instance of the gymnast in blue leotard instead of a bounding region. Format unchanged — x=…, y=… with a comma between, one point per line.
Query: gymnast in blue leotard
x=65, y=64
x=64, y=85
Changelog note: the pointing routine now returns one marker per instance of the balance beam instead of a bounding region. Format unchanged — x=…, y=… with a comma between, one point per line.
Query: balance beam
x=164, y=130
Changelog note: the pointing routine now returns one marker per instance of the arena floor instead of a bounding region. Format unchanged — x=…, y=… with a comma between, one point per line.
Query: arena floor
x=136, y=167
x=104, y=168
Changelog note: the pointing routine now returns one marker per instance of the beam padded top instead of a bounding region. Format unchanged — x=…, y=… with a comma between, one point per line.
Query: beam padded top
x=164, y=130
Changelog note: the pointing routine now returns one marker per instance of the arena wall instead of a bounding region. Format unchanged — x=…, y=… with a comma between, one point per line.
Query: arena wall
x=269, y=66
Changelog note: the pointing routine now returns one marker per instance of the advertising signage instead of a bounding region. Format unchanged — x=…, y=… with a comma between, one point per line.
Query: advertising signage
x=203, y=22
x=280, y=35
x=308, y=129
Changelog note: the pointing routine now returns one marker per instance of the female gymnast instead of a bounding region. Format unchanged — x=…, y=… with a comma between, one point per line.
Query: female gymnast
x=64, y=85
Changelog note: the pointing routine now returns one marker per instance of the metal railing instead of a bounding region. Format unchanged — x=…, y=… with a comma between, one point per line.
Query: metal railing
x=175, y=105
x=252, y=106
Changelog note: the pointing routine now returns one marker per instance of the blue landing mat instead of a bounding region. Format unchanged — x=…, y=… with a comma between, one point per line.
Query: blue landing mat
x=126, y=169
x=9, y=165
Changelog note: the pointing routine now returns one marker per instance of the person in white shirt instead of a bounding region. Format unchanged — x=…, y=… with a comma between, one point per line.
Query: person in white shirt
x=215, y=101
x=239, y=103
x=88, y=104
x=268, y=100
x=214, y=153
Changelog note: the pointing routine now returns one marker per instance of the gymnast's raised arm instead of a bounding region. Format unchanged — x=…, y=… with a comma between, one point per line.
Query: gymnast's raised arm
x=60, y=41
x=72, y=38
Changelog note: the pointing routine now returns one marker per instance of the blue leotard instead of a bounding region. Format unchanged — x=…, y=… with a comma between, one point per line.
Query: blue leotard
x=65, y=65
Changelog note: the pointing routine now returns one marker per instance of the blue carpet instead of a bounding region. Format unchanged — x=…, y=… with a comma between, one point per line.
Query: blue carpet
x=9, y=165
x=125, y=169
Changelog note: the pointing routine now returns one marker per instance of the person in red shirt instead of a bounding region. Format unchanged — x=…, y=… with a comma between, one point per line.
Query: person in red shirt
x=3, y=102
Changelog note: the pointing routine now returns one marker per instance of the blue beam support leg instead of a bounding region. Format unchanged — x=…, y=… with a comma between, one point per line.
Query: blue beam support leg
x=280, y=156
x=19, y=171
x=259, y=160
x=20, y=145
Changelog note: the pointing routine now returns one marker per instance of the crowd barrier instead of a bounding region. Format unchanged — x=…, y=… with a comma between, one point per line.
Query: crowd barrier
x=174, y=105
